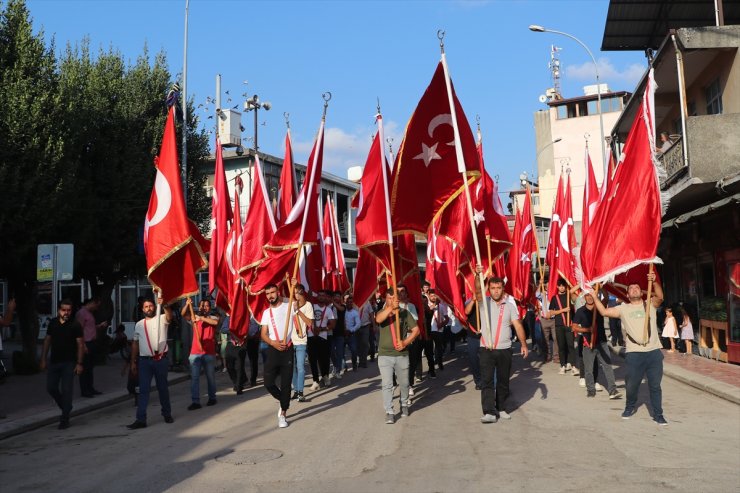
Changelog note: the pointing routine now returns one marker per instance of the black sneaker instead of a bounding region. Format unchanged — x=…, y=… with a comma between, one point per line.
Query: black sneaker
x=169, y=420
x=591, y=393
x=294, y=397
x=660, y=420
x=63, y=424
x=211, y=402
x=432, y=375
x=477, y=386
x=300, y=397
x=136, y=425
x=390, y=419
x=194, y=406
x=628, y=412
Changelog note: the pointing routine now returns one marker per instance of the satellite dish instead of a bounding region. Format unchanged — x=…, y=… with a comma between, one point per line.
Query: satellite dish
x=543, y=98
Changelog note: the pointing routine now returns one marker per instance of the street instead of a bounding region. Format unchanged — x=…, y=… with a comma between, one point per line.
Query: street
x=557, y=440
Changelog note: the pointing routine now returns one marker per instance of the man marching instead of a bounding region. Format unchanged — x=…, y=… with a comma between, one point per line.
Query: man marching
x=279, y=363
x=149, y=359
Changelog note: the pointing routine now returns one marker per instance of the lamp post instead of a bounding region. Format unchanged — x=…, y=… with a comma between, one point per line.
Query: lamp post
x=540, y=151
x=540, y=29
x=254, y=104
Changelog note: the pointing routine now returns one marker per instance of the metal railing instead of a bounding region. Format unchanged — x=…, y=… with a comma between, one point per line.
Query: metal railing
x=673, y=163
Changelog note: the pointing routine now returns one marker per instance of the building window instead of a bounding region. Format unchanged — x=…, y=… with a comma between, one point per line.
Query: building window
x=714, y=98
x=562, y=112
x=593, y=107
x=692, y=108
x=582, y=111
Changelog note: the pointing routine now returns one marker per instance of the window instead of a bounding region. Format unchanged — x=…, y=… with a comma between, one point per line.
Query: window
x=714, y=98
x=611, y=104
x=593, y=107
x=562, y=112
x=582, y=110
x=692, y=108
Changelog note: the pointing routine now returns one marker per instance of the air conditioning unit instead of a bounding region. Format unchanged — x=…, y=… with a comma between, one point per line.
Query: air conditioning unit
x=230, y=128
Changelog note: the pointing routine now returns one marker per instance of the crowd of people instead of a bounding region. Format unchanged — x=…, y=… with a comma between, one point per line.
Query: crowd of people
x=334, y=335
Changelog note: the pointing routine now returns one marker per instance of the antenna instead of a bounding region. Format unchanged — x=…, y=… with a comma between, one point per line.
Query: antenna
x=554, y=67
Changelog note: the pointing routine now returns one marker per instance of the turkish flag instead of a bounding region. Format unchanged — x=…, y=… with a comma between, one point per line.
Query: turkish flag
x=287, y=191
x=626, y=228
x=427, y=173
x=173, y=245
x=636, y=275
x=239, y=312
x=522, y=251
x=230, y=264
x=590, y=197
x=447, y=278
x=327, y=234
x=221, y=216
x=554, y=239
x=565, y=261
x=367, y=274
x=497, y=227
x=259, y=227
x=341, y=281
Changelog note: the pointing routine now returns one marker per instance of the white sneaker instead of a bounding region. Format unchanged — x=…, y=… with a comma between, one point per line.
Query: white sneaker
x=338, y=376
x=504, y=415
x=315, y=386
x=581, y=382
x=599, y=388
x=568, y=367
x=280, y=411
x=282, y=422
x=562, y=371
x=411, y=391
x=408, y=403
x=488, y=418
x=576, y=372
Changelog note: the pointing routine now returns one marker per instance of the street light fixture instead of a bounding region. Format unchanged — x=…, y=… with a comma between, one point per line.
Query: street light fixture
x=535, y=168
x=254, y=104
x=539, y=29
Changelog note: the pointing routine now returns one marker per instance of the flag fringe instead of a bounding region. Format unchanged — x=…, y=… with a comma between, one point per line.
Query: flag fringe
x=609, y=276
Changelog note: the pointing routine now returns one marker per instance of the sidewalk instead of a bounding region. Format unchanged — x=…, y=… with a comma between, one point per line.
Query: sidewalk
x=26, y=405
x=714, y=377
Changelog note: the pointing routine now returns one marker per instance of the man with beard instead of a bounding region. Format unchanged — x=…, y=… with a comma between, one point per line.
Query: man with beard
x=495, y=354
x=202, y=351
x=644, y=356
x=318, y=340
x=279, y=363
x=149, y=359
x=64, y=338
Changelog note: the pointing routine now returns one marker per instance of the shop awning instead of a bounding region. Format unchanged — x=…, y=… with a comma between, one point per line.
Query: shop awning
x=684, y=218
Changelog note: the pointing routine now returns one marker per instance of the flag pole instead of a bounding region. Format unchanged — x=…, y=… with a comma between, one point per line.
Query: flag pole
x=461, y=168
x=312, y=180
x=647, y=305
x=488, y=233
x=381, y=136
x=536, y=242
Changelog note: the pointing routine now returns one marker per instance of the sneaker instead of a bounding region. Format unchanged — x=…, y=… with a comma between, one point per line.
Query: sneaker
x=488, y=418
x=591, y=393
x=315, y=386
x=504, y=415
x=390, y=419
x=338, y=376
x=660, y=420
x=411, y=391
x=300, y=397
x=615, y=395
x=282, y=421
x=628, y=412
x=64, y=424
x=405, y=411
x=477, y=386
x=211, y=402
x=194, y=406
x=408, y=403
x=581, y=382
x=568, y=367
x=576, y=372
x=432, y=375
x=169, y=420
x=562, y=371
x=599, y=388
x=280, y=410
x=136, y=425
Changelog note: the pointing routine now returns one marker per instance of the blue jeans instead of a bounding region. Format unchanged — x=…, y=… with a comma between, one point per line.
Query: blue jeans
x=473, y=357
x=148, y=368
x=648, y=364
x=209, y=362
x=59, y=385
x=299, y=367
x=337, y=353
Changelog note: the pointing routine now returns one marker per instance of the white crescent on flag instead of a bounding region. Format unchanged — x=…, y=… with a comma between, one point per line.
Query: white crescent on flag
x=164, y=202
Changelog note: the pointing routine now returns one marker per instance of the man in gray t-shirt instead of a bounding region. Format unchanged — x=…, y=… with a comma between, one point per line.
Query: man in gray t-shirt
x=495, y=351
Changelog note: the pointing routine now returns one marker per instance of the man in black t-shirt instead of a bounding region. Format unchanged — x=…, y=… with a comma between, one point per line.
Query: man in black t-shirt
x=64, y=337
x=561, y=311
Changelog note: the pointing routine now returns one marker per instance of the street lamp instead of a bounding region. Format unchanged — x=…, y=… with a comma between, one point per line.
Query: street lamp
x=539, y=29
x=254, y=104
x=535, y=168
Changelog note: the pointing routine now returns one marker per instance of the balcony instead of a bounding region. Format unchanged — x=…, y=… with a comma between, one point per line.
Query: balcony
x=673, y=164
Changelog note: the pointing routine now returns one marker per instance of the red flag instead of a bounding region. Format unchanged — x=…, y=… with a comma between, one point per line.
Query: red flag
x=327, y=236
x=522, y=251
x=447, y=279
x=367, y=274
x=259, y=227
x=636, y=275
x=427, y=174
x=287, y=191
x=239, y=313
x=497, y=227
x=590, y=197
x=553, y=240
x=174, y=247
x=222, y=217
x=342, y=281
x=372, y=225
x=626, y=228
x=565, y=260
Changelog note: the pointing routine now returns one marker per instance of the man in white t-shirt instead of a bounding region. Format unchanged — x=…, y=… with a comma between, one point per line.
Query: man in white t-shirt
x=149, y=359
x=318, y=340
x=279, y=362
x=304, y=317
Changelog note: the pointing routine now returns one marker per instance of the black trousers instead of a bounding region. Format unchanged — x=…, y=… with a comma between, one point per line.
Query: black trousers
x=566, y=345
x=279, y=368
x=498, y=362
x=87, y=384
x=428, y=345
x=253, y=352
x=236, y=358
x=318, y=357
x=415, y=350
x=439, y=348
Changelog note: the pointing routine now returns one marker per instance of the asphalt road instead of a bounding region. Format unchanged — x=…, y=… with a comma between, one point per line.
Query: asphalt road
x=557, y=440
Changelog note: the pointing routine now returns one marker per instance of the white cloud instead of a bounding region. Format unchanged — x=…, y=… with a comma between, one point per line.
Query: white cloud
x=608, y=73
x=344, y=149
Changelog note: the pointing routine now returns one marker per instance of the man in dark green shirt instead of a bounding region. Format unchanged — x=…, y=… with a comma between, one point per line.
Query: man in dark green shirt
x=393, y=354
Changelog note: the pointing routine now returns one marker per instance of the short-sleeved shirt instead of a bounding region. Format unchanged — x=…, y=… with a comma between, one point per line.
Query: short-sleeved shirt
x=64, y=340
x=633, y=324
x=439, y=313
x=585, y=317
x=274, y=317
x=406, y=324
x=474, y=319
x=411, y=308
x=156, y=342
x=558, y=302
x=366, y=314
x=307, y=310
x=87, y=321
x=204, y=337
x=321, y=317
x=501, y=332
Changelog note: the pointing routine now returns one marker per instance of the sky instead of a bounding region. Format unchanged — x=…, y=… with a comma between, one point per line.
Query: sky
x=290, y=52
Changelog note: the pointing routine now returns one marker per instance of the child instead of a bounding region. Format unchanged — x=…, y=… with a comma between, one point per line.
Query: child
x=687, y=332
x=670, y=330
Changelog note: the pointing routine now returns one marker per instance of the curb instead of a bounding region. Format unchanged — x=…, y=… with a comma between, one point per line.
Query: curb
x=23, y=425
x=701, y=382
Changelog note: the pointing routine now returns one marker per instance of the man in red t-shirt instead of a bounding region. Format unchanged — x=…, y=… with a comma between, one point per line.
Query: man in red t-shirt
x=202, y=350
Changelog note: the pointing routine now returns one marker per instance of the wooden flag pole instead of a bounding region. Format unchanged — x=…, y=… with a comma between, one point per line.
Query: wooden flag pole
x=536, y=242
x=462, y=169
x=647, y=305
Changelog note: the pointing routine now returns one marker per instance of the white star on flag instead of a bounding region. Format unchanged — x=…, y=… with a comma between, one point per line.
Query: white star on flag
x=428, y=153
x=478, y=217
